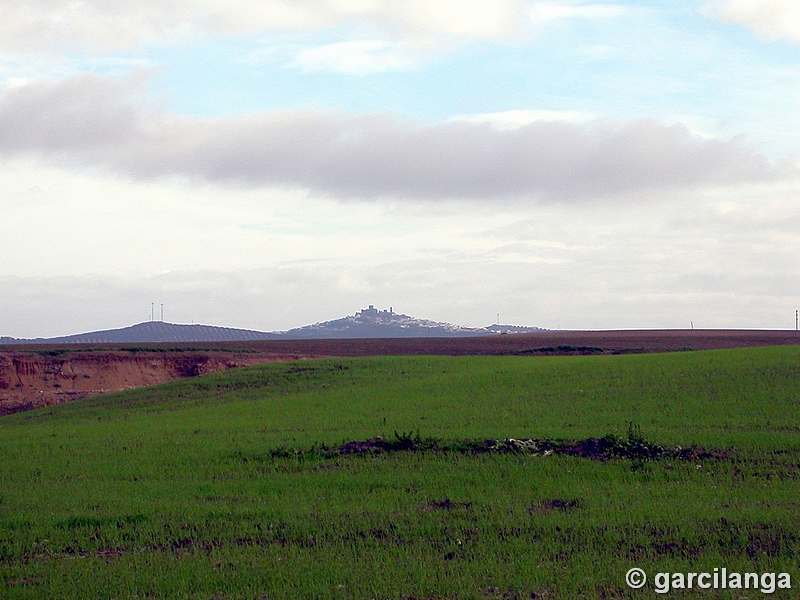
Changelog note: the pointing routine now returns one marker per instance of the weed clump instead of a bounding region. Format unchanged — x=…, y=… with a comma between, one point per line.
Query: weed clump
x=633, y=446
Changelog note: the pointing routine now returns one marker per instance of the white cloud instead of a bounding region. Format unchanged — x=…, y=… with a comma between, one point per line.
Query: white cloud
x=357, y=57
x=100, y=25
x=772, y=19
x=93, y=122
x=542, y=12
x=58, y=221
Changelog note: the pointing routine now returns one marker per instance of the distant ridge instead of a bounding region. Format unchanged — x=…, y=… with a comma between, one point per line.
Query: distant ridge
x=367, y=323
x=154, y=332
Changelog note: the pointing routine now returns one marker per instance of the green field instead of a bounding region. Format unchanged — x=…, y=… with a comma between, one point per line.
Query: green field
x=209, y=488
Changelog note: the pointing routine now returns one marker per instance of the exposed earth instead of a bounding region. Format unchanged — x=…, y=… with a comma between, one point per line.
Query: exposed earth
x=42, y=375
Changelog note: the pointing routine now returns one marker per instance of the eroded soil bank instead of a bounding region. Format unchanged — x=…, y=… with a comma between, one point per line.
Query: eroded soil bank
x=33, y=379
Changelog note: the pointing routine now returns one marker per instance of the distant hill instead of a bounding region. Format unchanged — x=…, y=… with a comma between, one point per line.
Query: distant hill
x=374, y=323
x=153, y=332
x=367, y=323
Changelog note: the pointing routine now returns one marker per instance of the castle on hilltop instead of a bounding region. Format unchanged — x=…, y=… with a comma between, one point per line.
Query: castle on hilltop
x=374, y=312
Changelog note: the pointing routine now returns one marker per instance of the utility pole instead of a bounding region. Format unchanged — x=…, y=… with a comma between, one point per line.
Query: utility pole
x=162, y=313
x=152, y=308
x=797, y=320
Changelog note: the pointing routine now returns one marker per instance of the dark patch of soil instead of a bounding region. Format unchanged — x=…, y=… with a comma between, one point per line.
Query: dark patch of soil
x=565, y=350
x=375, y=445
x=592, y=448
x=448, y=504
x=378, y=444
x=23, y=581
x=556, y=504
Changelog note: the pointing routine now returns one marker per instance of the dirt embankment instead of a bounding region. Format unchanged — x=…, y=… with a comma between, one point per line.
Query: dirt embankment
x=34, y=379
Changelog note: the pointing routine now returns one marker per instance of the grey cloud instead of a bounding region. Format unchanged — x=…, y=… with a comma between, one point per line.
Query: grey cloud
x=94, y=122
x=70, y=117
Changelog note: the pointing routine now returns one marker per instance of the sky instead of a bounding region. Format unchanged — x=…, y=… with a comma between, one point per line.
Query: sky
x=266, y=165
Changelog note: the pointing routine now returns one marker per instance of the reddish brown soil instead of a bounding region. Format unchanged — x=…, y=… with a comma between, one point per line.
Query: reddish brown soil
x=41, y=375
x=33, y=379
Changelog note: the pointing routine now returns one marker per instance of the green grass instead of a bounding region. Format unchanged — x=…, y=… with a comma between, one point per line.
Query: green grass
x=173, y=491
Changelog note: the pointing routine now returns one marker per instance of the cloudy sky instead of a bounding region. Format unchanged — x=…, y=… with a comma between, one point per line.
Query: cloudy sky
x=573, y=164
